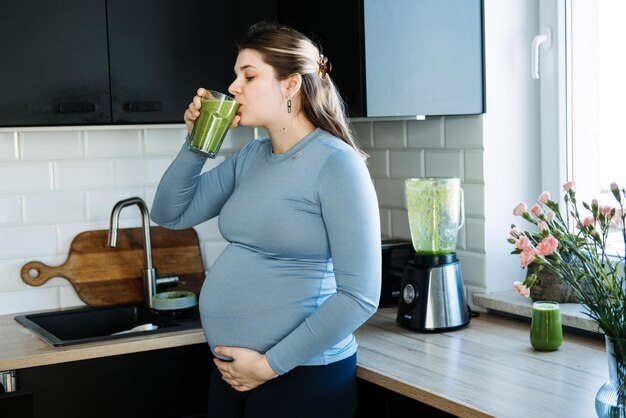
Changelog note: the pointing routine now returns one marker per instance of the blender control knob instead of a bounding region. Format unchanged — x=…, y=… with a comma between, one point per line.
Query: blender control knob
x=409, y=294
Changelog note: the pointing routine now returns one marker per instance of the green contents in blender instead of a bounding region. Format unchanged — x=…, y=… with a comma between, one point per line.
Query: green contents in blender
x=211, y=126
x=434, y=209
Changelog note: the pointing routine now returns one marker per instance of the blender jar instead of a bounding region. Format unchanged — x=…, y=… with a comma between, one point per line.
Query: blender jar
x=436, y=213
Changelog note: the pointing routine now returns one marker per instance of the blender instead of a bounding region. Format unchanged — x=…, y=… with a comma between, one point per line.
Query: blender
x=431, y=292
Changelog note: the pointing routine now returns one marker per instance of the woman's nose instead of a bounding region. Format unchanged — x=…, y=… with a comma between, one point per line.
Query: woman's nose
x=233, y=89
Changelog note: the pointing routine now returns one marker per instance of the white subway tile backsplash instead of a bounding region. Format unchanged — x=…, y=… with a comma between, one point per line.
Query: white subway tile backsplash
x=29, y=300
x=237, y=138
x=211, y=250
x=68, y=298
x=406, y=163
x=378, y=162
x=10, y=278
x=464, y=131
x=209, y=231
x=164, y=141
x=475, y=229
x=474, y=165
x=427, y=133
x=25, y=176
x=10, y=209
x=8, y=146
x=84, y=174
x=54, y=207
x=91, y=169
x=474, y=200
x=213, y=162
x=99, y=203
x=400, y=224
x=446, y=163
x=472, y=267
x=140, y=171
x=390, y=192
x=27, y=240
x=390, y=134
x=363, y=131
x=49, y=145
x=113, y=143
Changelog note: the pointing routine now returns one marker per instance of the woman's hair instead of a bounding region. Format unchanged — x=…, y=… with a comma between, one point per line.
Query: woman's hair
x=290, y=52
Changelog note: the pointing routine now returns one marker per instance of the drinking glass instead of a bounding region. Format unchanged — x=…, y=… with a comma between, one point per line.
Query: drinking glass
x=217, y=112
x=546, y=330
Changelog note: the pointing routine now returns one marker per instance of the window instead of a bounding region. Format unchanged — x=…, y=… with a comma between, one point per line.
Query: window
x=583, y=86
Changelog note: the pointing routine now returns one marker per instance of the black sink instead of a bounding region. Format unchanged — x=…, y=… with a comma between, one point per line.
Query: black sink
x=83, y=325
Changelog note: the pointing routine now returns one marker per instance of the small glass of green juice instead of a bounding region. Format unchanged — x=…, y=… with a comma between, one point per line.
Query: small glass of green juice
x=546, y=330
x=217, y=112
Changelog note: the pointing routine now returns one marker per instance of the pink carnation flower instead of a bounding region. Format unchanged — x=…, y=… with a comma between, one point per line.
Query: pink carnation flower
x=536, y=210
x=521, y=289
x=520, y=209
x=542, y=225
x=605, y=210
x=547, y=246
x=526, y=256
x=522, y=243
x=544, y=197
x=550, y=215
x=570, y=185
x=589, y=220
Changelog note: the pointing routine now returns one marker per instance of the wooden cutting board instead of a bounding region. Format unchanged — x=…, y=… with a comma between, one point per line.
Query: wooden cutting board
x=104, y=276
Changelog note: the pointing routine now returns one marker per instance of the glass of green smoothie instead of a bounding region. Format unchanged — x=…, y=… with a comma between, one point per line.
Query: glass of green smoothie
x=546, y=330
x=217, y=112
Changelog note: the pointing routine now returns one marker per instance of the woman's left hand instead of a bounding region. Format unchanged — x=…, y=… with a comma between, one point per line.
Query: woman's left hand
x=247, y=370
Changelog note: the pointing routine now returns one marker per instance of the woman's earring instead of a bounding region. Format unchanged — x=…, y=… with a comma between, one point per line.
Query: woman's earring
x=288, y=105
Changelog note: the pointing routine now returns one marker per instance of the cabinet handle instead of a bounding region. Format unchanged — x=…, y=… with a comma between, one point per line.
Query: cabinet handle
x=143, y=106
x=77, y=107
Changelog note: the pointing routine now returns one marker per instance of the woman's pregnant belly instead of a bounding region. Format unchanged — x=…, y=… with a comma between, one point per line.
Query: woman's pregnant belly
x=253, y=300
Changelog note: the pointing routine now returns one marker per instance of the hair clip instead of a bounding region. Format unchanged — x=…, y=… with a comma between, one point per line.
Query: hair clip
x=324, y=66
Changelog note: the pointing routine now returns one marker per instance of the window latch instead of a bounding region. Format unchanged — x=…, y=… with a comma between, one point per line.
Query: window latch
x=544, y=40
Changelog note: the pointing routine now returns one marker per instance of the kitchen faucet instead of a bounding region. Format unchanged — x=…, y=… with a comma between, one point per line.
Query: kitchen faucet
x=149, y=273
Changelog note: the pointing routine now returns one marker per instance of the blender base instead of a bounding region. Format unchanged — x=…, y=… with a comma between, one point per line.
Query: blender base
x=432, y=295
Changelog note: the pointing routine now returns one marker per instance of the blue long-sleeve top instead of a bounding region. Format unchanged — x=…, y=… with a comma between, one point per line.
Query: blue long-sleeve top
x=302, y=267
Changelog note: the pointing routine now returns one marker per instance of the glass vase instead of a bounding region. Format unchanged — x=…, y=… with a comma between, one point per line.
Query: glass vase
x=611, y=397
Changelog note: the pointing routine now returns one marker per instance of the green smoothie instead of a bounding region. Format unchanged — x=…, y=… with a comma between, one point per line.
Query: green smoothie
x=546, y=331
x=211, y=126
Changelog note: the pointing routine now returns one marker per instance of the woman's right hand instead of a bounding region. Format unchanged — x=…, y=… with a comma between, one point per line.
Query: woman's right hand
x=193, y=111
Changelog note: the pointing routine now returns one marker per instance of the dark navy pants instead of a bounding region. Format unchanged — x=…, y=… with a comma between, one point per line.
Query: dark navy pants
x=304, y=392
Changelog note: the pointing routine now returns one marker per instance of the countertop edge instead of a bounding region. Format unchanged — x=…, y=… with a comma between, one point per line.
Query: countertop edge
x=419, y=394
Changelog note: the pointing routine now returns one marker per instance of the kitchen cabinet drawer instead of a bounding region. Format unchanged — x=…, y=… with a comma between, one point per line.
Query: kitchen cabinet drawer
x=86, y=62
x=401, y=57
x=171, y=382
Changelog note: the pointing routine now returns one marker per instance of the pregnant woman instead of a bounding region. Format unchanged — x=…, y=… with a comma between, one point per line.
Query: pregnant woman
x=302, y=267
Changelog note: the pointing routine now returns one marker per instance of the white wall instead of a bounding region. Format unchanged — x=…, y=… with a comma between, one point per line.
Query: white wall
x=510, y=131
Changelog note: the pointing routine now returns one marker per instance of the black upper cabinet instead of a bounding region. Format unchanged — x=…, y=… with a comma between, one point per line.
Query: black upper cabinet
x=54, y=63
x=337, y=29
x=161, y=51
x=82, y=62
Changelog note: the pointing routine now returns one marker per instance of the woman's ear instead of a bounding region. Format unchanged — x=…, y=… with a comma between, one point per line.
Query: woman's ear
x=292, y=84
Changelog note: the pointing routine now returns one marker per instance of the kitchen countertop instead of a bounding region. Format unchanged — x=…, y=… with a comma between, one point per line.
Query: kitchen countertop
x=485, y=369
